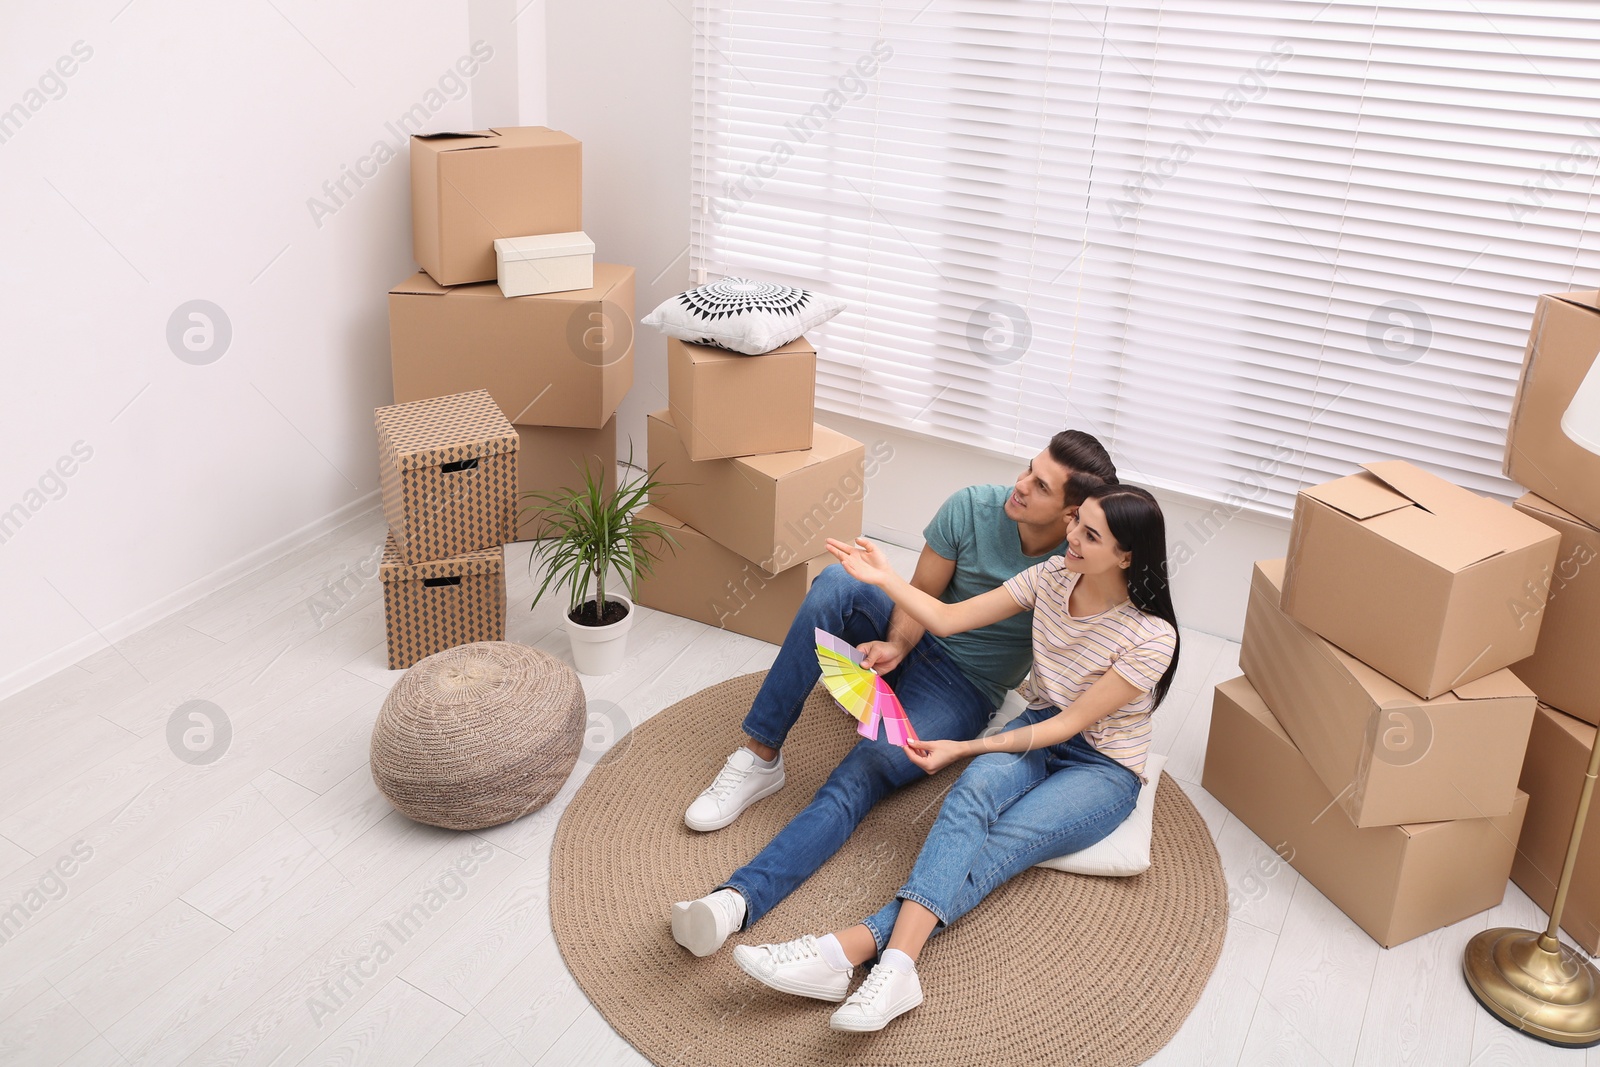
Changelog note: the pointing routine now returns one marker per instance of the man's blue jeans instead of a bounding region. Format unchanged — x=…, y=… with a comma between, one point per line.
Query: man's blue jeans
x=1007, y=812
x=937, y=697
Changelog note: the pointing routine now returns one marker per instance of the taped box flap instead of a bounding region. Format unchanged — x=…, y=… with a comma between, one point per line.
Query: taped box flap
x=1585, y=298
x=496, y=137
x=535, y=136
x=1533, y=503
x=1428, y=491
x=1502, y=683
x=419, y=284
x=1454, y=527
x=1451, y=543
x=473, y=135
x=1487, y=526
x=1360, y=496
x=826, y=444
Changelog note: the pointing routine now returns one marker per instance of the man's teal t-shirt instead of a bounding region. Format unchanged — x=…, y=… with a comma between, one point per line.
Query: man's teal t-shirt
x=973, y=529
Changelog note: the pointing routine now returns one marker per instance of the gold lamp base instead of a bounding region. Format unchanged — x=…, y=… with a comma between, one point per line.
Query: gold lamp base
x=1535, y=984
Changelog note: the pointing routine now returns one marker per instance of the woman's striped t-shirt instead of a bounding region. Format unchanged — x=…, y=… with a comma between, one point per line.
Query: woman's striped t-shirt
x=1070, y=654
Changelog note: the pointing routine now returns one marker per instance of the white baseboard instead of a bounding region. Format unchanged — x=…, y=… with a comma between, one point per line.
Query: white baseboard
x=179, y=599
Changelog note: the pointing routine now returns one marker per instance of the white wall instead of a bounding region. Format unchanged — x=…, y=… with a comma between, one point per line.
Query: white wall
x=184, y=158
x=179, y=161
x=620, y=79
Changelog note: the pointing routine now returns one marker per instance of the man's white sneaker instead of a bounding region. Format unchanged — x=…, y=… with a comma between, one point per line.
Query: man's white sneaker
x=793, y=967
x=741, y=782
x=701, y=926
x=884, y=995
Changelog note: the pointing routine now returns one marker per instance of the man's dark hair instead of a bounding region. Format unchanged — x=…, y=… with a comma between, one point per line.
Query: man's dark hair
x=1084, y=455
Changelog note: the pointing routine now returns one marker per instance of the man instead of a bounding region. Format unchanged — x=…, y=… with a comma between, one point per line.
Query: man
x=950, y=687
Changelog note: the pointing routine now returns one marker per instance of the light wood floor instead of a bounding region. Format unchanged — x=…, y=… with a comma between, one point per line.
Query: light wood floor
x=163, y=913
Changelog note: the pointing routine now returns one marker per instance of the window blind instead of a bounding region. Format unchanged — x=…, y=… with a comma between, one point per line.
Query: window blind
x=1249, y=244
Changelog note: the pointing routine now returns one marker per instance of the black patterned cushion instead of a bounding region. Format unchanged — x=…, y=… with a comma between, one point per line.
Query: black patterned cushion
x=742, y=315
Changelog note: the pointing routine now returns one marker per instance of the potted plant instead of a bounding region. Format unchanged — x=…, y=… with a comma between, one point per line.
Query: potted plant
x=589, y=533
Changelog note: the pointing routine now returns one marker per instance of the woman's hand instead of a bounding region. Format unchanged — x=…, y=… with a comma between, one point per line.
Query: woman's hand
x=935, y=756
x=863, y=561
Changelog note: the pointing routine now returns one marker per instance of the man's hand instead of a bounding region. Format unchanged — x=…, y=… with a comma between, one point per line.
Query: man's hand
x=880, y=656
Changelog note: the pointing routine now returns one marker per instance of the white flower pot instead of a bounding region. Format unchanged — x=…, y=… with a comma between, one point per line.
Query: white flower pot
x=601, y=649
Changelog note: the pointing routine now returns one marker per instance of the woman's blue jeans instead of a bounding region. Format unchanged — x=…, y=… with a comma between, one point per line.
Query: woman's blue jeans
x=936, y=695
x=1007, y=812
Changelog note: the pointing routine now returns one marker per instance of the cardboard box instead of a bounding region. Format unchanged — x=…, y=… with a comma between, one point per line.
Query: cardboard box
x=711, y=584
x=1387, y=755
x=448, y=470
x=726, y=404
x=1564, y=670
x=469, y=188
x=429, y=607
x=559, y=359
x=1411, y=575
x=1562, y=347
x=777, y=510
x=549, y=263
x=1552, y=776
x=1395, y=882
x=550, y=460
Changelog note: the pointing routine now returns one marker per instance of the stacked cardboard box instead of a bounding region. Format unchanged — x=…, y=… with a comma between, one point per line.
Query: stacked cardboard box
x=448, y=468
x=557, y=362
x=753, y=487
x=1377, y=737
x=1395, y=882
x=1561, y=352
x=1564, y=669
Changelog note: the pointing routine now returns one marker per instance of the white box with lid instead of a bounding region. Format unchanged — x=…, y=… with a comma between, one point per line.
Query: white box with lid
x=544, y=263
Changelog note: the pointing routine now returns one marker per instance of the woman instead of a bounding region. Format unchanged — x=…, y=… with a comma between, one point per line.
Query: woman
x=1060, y=777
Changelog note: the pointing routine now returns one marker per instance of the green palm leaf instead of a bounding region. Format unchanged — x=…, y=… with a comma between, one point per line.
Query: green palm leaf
x=588, y=533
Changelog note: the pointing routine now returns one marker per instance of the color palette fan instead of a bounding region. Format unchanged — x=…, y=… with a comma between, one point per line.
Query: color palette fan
x=861, y=692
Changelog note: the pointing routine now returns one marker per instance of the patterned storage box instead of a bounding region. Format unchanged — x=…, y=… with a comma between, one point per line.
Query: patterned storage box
x=442, y=603
x=448, y=467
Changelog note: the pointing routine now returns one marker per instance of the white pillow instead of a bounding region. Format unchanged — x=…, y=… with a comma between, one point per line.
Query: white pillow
x=742, y=315
x=1126, y=851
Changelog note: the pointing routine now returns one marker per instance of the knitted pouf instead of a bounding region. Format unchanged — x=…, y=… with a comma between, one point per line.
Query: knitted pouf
x=478, y=735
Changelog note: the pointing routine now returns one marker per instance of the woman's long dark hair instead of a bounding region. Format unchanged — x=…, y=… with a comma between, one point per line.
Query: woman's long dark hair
x=1135, y=520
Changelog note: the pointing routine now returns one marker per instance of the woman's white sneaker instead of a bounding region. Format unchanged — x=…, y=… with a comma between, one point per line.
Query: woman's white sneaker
x=701, y=926
x=794, y=967
x=742, y=781
x=886, y=994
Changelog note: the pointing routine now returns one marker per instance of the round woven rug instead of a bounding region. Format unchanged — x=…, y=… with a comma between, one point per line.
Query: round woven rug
x=1051, y=968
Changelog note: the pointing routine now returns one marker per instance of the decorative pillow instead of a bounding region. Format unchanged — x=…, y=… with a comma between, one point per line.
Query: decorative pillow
x=742, y=315
x=1127, y=850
